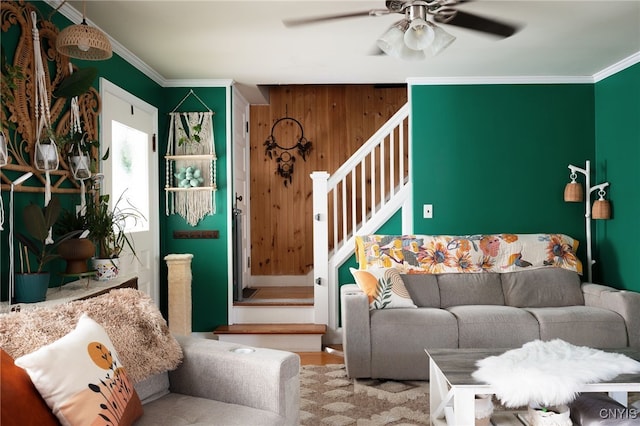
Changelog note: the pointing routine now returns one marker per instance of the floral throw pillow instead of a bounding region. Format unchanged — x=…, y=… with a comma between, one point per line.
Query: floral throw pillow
x=82, y=379
x=384, y=286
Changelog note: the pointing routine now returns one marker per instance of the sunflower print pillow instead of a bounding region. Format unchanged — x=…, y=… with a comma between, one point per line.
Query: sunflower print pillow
x=384, y=287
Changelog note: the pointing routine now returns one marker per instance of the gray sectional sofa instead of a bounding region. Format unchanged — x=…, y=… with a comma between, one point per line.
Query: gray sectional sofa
x=485, y=310
x=217, y=384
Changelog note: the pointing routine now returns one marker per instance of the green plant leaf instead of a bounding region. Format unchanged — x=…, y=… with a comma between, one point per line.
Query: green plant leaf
x=35, y=222
x=77, y=83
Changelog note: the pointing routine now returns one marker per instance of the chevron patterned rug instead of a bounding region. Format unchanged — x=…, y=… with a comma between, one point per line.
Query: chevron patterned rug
x=329, y=397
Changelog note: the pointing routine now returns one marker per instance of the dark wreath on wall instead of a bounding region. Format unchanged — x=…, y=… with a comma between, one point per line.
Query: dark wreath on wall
x=284, y=158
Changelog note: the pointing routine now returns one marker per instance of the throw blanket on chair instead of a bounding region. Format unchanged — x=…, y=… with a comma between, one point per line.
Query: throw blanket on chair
x=438, y=254
x=134, y=324
x=549, y=373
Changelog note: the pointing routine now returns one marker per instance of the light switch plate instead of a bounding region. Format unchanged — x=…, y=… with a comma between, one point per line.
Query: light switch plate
x=427, y=211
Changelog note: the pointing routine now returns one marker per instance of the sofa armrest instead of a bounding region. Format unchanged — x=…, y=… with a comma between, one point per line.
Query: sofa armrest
x=266, y=379
x=625, y=303
x=356, y=331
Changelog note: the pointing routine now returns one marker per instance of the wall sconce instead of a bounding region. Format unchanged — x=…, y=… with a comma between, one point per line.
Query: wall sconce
x=574, y=193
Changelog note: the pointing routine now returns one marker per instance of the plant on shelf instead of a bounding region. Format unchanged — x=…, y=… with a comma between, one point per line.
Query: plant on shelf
x=78, y=250
x=107, y=229
x=32, y=286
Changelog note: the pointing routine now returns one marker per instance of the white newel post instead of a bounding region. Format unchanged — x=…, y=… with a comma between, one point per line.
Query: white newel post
x=320, y=248
x=179, y=278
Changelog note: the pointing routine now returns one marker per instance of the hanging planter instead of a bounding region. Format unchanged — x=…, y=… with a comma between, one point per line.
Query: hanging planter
x=46, y=156
x=80, y=166
x=3, y=150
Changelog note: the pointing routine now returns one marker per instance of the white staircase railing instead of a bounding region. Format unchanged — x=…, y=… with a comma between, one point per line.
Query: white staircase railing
x=358, y=198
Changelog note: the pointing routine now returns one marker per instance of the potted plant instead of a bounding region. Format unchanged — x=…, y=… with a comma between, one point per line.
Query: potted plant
x=107, y=229
x=78, y=152
x=32, y=286
x=78, y=250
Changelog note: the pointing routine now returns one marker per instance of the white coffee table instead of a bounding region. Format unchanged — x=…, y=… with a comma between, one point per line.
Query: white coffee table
x=452, y=389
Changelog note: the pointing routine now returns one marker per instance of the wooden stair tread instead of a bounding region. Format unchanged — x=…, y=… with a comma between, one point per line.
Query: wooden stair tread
x=271, y=329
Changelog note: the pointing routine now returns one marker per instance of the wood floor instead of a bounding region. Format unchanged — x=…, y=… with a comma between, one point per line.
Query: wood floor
x=331, y=355
x=273, y=295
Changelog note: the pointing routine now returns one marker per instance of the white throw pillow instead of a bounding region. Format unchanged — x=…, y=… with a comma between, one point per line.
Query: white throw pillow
x=82, y=379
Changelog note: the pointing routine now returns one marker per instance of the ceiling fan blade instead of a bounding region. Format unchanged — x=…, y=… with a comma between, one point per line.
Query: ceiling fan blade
x=318, y=19
x=479, y=23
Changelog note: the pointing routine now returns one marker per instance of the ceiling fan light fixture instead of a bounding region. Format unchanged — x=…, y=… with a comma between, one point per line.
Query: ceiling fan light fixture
x=419, y=35
x=441, y=39
x=392, y=41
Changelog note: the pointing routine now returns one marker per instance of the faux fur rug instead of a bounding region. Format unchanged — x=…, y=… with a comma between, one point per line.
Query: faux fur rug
x=549, y=373
x=329, y=397
x=135, y=325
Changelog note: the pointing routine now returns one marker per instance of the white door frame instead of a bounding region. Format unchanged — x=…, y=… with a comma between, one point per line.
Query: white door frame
x=107, y=86
x=238, y=124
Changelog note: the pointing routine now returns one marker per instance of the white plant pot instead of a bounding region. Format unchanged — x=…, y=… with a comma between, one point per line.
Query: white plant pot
x=106, y=269
x=46, y=156
x=558, y=415
x=483, y=410
x=3, y=149
x=80, y=166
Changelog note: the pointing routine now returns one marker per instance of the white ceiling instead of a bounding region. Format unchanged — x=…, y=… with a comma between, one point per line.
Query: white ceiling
x=247, y=42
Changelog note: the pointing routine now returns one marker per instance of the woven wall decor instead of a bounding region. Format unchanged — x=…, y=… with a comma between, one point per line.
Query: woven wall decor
x=191, y=165
x=284, y=158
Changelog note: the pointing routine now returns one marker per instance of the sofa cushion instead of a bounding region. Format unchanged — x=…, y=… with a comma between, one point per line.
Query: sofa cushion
x=82, y=379
x=470, y=289
x=153, y=387
x=582, y=326
x=539, y=288
x=423, y=289
x=399, y=337
x=177, y=409
x=21, y=403
x=486, y=326
x=384, y=286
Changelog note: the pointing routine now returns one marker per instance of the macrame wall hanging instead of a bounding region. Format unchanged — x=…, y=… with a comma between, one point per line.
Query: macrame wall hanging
x=284, y=159
x=191, y=164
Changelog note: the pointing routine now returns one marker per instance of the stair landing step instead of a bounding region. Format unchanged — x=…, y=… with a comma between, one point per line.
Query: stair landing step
x=288, y=337
x=271, y=329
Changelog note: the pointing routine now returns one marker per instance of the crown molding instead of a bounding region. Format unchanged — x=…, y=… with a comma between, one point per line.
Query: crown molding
x=617, y=67
x=434, y=81
x=214, y=82
x=75, y=16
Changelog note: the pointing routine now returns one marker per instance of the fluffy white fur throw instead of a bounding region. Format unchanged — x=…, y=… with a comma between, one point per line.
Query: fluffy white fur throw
x=133, y=322
x=549, y=373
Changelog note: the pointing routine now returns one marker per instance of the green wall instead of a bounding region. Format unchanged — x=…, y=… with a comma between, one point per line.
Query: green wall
x=210, y=257
x=493, y=158
x=209, y=266
x=618, y=154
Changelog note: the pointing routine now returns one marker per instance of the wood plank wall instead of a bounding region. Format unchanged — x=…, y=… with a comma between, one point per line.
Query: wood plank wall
x=337, y=120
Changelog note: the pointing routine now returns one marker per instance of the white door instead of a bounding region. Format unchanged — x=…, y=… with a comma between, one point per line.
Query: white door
x=241, y=179
x=129, y=127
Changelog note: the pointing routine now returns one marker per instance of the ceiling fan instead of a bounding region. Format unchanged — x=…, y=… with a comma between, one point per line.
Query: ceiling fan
x=417, y=32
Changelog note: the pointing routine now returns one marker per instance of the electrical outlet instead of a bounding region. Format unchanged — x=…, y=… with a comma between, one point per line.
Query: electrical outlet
x=427, y=211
